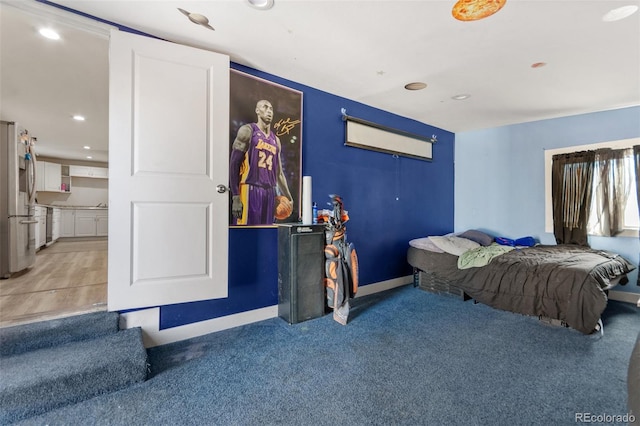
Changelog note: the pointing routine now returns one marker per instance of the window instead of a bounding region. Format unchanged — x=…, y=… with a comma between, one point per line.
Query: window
x=613, y=174
x=631, y=218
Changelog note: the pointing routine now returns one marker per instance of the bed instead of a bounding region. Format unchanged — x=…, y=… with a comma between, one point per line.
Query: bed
x=566, y=284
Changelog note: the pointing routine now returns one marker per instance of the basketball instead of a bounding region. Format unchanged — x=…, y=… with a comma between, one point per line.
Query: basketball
x=284, y=207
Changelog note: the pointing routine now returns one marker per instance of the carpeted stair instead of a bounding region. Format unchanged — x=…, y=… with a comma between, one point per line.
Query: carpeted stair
x=51, y=364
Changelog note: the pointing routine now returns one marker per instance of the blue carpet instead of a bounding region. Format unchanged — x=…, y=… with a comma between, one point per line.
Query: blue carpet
x=50, y=364
x=45, y=334
x=407, y=357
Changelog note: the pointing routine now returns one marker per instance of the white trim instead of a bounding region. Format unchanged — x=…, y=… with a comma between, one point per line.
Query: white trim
x=383, y=285
x=625, y=296
x=149, y=319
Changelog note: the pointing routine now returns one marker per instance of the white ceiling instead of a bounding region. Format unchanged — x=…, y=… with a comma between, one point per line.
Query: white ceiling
x=364, y=50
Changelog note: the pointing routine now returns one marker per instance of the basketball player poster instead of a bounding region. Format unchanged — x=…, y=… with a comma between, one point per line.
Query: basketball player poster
x=265, y=146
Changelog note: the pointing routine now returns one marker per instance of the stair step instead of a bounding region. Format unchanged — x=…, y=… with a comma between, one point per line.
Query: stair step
x=44, y=334
x=39, y=381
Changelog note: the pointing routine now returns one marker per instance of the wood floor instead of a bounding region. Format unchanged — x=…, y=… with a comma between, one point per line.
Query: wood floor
x=69, y=277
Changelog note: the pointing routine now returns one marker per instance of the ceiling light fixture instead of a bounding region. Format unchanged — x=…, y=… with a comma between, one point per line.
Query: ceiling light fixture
x=472, y=10
x=197, y=19
x=78, y=118
x=261, y=4
x=86, y=147
x=89, y=157
x=619, y=13
x=49, y=33
x=460, y=97
x=418, y=85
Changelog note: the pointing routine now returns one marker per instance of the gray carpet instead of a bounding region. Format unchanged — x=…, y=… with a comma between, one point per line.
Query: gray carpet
x=407, y=357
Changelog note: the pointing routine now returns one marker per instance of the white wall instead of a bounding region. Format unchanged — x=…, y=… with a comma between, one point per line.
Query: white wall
x=499, y=175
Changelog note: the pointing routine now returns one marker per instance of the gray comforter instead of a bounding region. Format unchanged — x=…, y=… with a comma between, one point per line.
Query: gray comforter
x=563, y=282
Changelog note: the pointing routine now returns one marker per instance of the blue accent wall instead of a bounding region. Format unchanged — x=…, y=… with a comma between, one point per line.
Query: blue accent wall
x=390, y=201
x=500, y=175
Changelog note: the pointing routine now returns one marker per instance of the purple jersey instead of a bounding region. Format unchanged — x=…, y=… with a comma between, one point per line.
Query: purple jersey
x=260, y=165
x=258, y=178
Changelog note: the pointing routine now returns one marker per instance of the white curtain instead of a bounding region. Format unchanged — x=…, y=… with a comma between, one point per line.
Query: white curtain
x=613, y=181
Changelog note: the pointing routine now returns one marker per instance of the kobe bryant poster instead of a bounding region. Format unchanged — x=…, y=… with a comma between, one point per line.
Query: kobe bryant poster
x=265, y=147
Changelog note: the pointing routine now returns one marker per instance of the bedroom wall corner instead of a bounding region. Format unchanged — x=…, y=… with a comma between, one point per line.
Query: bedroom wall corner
x=499, y=176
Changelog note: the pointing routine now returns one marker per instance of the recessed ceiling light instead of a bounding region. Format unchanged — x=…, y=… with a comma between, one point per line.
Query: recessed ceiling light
x=78, y=118
x=619, y=13
x=418, y=85
x=261, y=4
x=86, y=147
x=89, y=157
x=460, y=97
x=49, y=33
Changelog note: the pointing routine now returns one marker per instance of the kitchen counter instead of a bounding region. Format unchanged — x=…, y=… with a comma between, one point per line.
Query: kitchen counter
x=73, y=207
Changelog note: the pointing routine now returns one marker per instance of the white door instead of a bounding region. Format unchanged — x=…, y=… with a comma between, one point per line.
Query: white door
x=168, y=152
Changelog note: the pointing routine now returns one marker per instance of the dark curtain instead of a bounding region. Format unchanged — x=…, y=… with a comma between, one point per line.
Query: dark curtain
x=571, y=188
x=636, y=160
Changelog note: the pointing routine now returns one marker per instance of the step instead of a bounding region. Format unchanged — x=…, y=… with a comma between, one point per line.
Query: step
x=44, y=334
x=39, y=381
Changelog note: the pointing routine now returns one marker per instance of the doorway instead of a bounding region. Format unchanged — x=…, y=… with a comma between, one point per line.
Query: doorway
x=69, y=277
x=44, y=83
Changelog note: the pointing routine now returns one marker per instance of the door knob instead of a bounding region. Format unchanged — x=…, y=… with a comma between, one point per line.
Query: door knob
x=221, y=189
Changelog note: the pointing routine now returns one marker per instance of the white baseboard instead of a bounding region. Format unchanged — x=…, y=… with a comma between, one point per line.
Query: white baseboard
x=149, y=319
x=383, y=285
x=624, y=296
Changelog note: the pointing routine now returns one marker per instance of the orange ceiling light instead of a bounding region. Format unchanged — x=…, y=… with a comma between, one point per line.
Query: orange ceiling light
x=472, y=10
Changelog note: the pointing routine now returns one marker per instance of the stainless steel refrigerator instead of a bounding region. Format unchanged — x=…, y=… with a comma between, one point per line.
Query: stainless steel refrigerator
x=17, y=199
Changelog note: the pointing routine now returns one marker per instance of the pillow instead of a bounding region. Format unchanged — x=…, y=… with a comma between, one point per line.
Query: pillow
x=520, y=242
x=425, y=244
x=454, y=245
x=525, y=242
x=477, y=236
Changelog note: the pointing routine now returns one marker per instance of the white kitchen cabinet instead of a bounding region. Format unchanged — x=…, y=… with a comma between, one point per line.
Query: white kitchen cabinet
x=48, y=176
x=89, y=171
x=91, y=223
x=41, y=226
x=102, y=224
x=56, y=224
x=67, y=223
x=65, y=186
x=52, y=177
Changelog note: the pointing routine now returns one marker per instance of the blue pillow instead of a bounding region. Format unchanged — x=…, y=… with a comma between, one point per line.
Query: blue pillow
x=526, y=242
x=522, y=242
x=505, y=241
